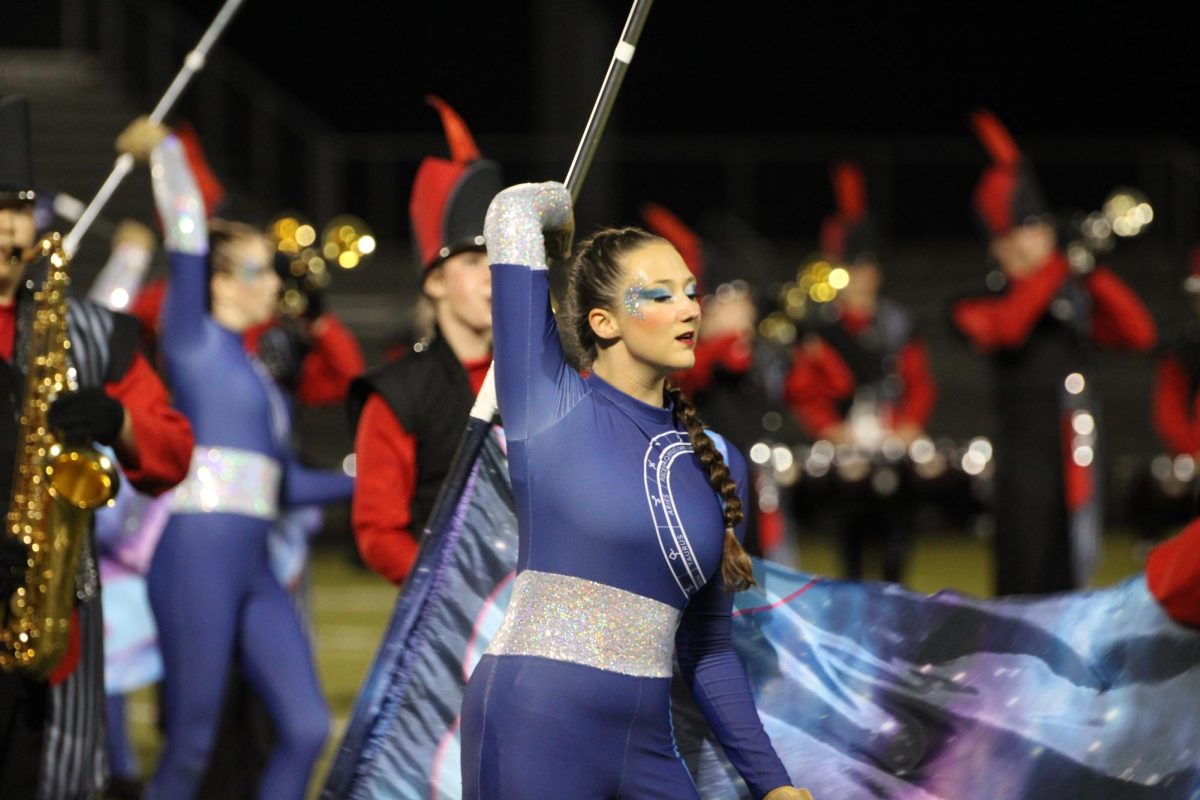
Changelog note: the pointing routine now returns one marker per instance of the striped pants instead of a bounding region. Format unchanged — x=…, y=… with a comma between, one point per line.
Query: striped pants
x=52, y=738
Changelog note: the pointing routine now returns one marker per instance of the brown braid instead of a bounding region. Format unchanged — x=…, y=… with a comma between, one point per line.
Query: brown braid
x=735, y=563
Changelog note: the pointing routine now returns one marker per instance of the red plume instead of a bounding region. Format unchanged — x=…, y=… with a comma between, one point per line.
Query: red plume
x=850, y=190
x=996, y=138
x=462, y=145
x=672, y=228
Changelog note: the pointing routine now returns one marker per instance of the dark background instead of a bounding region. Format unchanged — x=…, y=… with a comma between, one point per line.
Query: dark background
x=730, y=115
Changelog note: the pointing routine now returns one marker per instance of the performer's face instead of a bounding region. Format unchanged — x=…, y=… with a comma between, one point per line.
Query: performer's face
x=461, y=287
x=17, y=233
x=862, y=290
x=656, y=315
x=245, y=282
x=1024, y=249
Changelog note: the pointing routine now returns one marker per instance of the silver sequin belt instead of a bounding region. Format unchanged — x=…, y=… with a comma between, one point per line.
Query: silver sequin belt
x=584, y=622
x=231, y=481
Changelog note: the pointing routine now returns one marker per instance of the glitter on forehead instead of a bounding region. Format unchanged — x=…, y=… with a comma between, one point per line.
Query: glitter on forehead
x=633, y=296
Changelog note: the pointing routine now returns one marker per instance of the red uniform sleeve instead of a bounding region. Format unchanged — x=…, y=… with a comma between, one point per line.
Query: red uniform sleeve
x=1119, y=319
x=333, y=362
x=919, y=389
x=1006, y=320
x=163, y=435
x=1173, y=575
x=386, y=460
x=1173, y=407
x=731, y=351
x=816, y=382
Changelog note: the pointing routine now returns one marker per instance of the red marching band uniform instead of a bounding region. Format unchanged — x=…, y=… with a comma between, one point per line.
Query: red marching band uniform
x=861, y=359
x=1038, y=329
x=1173, y=567
x=410, y=413
x=51, y=741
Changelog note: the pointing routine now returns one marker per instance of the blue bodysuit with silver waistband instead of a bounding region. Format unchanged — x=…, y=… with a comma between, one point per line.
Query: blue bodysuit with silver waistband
x=621, y=539
x=211, y=587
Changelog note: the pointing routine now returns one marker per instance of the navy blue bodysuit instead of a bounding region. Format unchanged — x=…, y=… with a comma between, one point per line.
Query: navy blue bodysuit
x=211, y=587
x=621, y=539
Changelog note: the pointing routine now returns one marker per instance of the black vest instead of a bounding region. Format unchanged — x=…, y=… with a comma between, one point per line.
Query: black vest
x=430, y=395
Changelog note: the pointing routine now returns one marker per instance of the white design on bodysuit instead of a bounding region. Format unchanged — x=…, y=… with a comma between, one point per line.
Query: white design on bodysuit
x=672, y=537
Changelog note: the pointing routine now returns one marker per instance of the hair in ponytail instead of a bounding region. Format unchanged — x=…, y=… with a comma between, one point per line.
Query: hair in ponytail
x=594, y=281
x=735, y=563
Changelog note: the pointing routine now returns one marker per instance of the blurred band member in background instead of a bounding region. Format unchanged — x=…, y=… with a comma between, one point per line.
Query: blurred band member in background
x=860, y=376
x=1037, y=319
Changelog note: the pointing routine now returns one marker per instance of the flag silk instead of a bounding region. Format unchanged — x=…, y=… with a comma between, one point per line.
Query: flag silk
x=867, y=690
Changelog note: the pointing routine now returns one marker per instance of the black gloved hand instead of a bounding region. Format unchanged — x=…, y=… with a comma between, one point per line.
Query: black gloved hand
x=14, y=558
x=87, y=415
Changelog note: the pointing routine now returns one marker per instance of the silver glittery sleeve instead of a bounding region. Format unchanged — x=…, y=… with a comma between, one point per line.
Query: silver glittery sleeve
x=518, y=216
x=180, y=204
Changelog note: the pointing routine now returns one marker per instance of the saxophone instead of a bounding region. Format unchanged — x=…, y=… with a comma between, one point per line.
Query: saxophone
x=55, y=487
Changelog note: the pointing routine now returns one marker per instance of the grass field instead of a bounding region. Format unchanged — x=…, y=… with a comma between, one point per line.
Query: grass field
x=351, y=607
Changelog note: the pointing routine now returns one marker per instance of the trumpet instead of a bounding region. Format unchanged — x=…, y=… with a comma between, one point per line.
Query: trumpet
x=1125, y=214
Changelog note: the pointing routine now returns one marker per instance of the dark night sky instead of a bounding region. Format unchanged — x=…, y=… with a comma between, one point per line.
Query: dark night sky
x=769, y=67
x=738, y=67
x=742, y=68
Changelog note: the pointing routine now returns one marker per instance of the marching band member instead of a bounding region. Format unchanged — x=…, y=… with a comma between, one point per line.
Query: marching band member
x=51, y=741
x=861, y=374
x=1037, y=320
x=410, y=413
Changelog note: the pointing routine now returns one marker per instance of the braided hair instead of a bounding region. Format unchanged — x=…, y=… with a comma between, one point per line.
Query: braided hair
x=594, y=281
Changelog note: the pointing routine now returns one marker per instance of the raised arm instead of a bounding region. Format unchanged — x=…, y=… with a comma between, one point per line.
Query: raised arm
x=185, y=237
x=1119, y=318
x=1003, y=321
x=713, y=671
x=534, y=384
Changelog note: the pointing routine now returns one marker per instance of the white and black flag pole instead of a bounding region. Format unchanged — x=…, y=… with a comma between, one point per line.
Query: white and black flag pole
x=598, y=120
x=192, y=64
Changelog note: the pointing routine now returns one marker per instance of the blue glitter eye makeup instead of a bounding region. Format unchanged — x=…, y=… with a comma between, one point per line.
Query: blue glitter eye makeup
x=656, y=294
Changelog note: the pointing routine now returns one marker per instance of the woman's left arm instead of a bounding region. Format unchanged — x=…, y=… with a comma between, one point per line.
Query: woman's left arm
x=717, y=679
x=304, y=486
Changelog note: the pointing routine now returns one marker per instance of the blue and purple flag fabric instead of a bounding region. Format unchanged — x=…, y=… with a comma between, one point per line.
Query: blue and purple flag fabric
x=867, y=690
